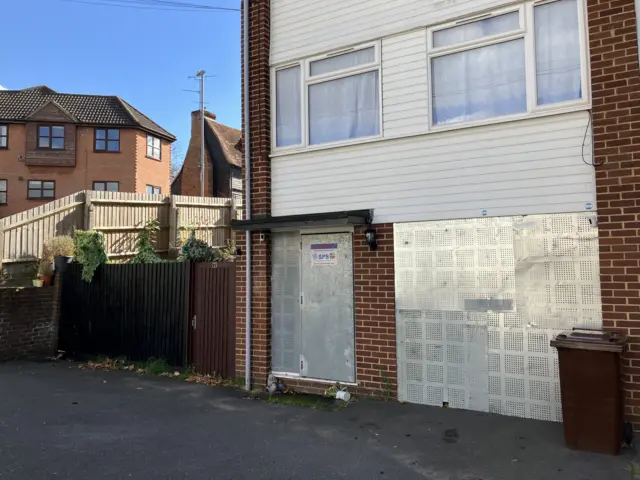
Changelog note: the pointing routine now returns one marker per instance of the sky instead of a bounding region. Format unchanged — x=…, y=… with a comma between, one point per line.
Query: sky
x=143, y=56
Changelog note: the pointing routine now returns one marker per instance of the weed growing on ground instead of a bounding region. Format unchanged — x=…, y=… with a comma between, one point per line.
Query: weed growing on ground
x=387, y=387
x=156, y=366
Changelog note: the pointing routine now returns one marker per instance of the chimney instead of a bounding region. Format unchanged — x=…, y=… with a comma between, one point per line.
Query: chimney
x=196, y=114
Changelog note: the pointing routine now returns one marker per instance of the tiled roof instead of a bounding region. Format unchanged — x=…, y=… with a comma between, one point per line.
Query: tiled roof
x=228, y=138
x=19, y=105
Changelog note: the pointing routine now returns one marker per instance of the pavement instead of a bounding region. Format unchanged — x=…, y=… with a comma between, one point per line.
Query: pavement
x=57, y=421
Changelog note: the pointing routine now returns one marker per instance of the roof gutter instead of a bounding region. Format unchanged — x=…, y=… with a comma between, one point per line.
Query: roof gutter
x=247, y=190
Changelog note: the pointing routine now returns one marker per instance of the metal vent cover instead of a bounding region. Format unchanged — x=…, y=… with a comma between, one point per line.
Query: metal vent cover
x=478, y=301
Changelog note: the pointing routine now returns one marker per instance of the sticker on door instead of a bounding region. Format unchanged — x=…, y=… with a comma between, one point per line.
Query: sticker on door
x=324, y=254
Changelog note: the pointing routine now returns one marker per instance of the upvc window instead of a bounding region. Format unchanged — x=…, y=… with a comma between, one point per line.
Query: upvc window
x=328, y=99
x=508, y=62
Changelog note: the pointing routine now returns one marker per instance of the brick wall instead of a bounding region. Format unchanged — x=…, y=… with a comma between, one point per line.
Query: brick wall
x=260, y=141
x=28, y=322
x=615, y=78
x=375, y=312
x=190, y=173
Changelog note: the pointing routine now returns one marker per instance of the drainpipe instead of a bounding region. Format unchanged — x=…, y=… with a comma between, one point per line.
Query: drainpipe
x=247, y=189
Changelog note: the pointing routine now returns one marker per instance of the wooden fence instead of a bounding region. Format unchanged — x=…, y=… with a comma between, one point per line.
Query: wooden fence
x=120, y=216
x=180, y=311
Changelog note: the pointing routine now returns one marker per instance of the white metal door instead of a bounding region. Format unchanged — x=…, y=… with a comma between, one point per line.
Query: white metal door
x=478, y=301
x=327, y=307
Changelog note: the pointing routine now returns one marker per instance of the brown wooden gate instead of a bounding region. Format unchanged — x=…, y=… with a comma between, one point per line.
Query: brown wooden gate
x=212, y=330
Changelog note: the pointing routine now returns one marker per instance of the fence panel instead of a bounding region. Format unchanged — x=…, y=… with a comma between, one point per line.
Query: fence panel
x=135, y=311
x=209, y=217
x=23, y=234
x=120, y=216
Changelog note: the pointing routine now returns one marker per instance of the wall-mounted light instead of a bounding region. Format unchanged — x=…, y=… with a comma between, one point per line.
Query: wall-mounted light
x=370, y=237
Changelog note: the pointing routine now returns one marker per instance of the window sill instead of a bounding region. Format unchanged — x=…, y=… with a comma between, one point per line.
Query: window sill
x=153, y=158
x=48, y=199
x=106, y=151
x=541, y=112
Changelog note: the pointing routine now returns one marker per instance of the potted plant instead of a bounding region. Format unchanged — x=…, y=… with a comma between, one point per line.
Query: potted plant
x=58, y=250
x=37, y=281
x=45, y=273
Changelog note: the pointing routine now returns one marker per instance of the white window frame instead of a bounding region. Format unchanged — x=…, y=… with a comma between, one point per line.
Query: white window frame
x=154, y=148
x=307, y=80
x=526, y=32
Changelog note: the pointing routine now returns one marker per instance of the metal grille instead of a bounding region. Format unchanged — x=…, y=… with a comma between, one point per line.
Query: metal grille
x=478, y=302
x=285, y=298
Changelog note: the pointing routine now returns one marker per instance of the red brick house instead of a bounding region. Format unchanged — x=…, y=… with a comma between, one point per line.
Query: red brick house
x=489, y=146
x=223, y=160
x=54, y=144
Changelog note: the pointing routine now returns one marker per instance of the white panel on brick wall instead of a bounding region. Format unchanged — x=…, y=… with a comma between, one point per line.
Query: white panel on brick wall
x=404, y=83
x=303, y=27
x=478, y=302
x=519, y=168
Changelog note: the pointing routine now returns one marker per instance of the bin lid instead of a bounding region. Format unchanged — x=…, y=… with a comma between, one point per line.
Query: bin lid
x=591, y=340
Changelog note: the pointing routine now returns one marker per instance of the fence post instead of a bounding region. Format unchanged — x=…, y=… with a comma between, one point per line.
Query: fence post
x=233, y=212
x=88, y=211
x=1, y=247
x=173, y=230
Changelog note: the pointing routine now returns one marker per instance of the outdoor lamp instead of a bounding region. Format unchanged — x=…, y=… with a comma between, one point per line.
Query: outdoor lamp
x=370, y=237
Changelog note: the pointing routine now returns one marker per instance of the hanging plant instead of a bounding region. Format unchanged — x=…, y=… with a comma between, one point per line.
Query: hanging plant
x=145, y=250
x=90, y=252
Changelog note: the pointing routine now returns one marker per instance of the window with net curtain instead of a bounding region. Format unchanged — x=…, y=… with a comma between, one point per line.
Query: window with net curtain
x=558, y=69
x=347, y=107
x=490, y=81
x=343, y=103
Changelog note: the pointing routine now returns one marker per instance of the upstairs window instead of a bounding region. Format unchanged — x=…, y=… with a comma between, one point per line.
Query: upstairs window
x=4, y=136
x=475, y=78
x=107, y=140
x=508, y=62
x=51, y=137
x=558, y=70
x=153, y=147
x=342, y=100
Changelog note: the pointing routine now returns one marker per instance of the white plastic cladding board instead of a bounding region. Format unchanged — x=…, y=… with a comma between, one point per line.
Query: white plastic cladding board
x=300, y=28
x=532, y=166
x=478, y=302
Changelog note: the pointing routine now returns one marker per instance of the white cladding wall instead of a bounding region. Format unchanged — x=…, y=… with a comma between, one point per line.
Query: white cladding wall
x=532, y=166
x=300, y=28
x=517, y=168
x=405, y=107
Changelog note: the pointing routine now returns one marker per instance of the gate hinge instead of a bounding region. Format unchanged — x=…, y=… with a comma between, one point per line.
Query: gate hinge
x=301, y=299
x=193, y=322
x=301, y=364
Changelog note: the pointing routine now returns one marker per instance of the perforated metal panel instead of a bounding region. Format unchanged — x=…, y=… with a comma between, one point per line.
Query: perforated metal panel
x=478, y=302
x=285, y=301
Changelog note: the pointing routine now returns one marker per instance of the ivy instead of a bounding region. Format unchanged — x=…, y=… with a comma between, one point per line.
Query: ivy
x=196, y=250
x=90, y=252
x=145, y=250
